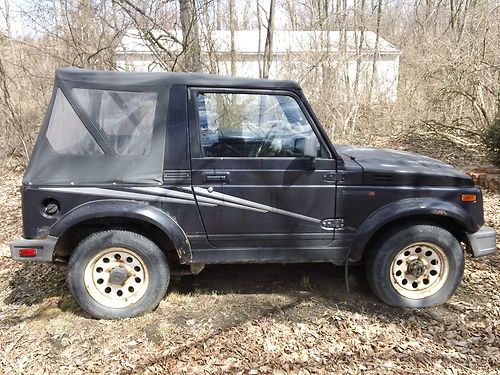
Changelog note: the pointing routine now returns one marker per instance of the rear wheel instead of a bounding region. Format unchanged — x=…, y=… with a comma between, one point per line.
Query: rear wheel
x=118, y=274
x=416, y=266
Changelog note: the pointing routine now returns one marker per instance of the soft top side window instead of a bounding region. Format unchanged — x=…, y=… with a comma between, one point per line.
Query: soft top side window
x=101, y=136
x=252, y=125
x=66, y=133
x=125, y=118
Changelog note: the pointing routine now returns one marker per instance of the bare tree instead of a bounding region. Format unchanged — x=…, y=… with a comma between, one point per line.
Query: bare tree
x=190, y=35
x=5, y=13
x=376, y=52
x=233, y=24
x=268, y=46
x=448, y=88
x=10, y=113
x=359, y=43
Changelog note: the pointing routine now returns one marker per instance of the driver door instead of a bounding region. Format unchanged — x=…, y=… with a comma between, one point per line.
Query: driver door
x=248, y=160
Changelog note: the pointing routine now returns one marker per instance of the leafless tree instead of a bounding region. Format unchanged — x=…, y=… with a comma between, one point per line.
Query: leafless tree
x=449, y=81
x=268, y=45
x=190, y=35
x=374, y=78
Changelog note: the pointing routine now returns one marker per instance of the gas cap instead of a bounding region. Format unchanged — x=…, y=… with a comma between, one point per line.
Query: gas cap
x=50, y=207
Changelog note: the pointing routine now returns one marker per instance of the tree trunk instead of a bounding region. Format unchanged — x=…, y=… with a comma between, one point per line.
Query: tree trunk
x=218, y=11
x=190, y=36
x=374, y=79
x=452, y=15
x=259, y=27
x=344, y=50
x=6, y=16
x=12, y=113
x=359, y=47
x=232, y=27
x=268, y=47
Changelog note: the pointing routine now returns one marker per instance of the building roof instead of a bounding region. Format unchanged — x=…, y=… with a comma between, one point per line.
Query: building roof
x=161, y=79
x=247, y=41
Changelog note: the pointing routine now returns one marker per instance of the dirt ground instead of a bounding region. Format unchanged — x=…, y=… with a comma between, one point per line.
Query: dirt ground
x=245, y=319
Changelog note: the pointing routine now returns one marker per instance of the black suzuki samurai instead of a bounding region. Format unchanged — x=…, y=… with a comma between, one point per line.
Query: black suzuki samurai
x=138, y=174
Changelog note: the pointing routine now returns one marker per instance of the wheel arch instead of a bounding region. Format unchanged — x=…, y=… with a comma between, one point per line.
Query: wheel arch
x=133, y=216
x=408, y=212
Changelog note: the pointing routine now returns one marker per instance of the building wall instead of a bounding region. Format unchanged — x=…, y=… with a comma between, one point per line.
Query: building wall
x=306, y=69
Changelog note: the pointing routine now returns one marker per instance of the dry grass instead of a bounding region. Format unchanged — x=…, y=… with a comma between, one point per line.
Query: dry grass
x=247, y=319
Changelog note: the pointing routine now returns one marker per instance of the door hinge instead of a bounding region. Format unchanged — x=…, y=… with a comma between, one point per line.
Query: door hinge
x=331, y=224
x=333, y=177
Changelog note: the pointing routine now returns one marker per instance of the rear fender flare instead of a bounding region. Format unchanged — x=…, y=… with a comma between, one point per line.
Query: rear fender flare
x=127, y=209
x=404, y=209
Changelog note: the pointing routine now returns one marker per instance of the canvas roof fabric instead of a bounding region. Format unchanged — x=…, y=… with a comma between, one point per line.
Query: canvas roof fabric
x=107, y=127
x=162, y=79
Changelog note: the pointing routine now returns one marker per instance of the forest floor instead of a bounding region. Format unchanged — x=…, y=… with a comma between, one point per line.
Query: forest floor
x=246, y=319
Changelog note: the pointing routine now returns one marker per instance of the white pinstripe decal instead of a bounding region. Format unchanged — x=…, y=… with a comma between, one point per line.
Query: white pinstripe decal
x=127, y=195
x=203, y=197
x=229, y=199
x=201, y=200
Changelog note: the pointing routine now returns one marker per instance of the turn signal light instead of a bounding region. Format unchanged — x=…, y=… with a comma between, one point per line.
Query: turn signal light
x=468, y=198
x=27, y=253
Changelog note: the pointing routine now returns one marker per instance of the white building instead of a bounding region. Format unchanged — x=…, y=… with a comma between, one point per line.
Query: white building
x=310, y=57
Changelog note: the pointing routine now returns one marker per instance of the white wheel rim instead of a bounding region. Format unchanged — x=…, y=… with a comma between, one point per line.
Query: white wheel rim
x=419, y=270
x=120, y=263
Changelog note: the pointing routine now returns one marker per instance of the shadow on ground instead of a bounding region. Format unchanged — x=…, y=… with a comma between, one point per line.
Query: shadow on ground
x=215, y=304
x=318, y=279
x=35, y=283
x=32, y=283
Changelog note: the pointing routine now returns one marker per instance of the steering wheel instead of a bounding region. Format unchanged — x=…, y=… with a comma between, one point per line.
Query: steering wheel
x=221, y=149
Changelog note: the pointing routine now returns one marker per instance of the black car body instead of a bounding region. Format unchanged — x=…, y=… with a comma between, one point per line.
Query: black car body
x=220, y=170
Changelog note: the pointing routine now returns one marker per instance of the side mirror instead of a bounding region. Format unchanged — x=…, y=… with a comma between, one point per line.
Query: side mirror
x=311, y=146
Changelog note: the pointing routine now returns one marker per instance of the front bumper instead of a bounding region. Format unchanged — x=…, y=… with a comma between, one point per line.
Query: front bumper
x=483, y=242
x=44, y=249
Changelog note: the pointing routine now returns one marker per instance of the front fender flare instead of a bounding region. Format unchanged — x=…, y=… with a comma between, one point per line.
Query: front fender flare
x=127, y=209
x=406, y=208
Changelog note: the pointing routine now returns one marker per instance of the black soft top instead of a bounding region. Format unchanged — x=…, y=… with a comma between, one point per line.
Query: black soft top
x=106, y=128
x=159, y=79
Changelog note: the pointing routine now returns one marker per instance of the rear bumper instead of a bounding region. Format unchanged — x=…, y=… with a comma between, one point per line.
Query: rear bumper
x=44, y=249
x=483, y=242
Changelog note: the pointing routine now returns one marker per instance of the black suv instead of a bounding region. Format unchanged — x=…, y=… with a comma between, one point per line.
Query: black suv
x=137, y=175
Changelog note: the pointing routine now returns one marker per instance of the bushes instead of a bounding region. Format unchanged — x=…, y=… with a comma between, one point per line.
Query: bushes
x=492, y=139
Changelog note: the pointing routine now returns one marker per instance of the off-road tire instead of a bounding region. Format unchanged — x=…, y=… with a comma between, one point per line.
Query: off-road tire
x=380, y=263
x=153, y=259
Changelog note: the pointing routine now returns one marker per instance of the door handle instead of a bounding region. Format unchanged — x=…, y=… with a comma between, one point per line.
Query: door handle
x=333, y=177
x=216, y=178
x=219, y=177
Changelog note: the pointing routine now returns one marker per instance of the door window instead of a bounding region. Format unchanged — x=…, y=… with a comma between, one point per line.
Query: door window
x=252, y=125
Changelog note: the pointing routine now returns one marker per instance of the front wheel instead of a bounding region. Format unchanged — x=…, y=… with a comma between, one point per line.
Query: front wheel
x=416, y=266
x=118, y=274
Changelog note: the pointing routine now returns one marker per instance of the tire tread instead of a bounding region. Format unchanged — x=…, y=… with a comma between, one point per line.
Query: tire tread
x=381, y=251
x=159, y=279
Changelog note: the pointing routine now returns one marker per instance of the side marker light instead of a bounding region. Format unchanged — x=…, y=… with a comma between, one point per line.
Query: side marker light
x=468, y=198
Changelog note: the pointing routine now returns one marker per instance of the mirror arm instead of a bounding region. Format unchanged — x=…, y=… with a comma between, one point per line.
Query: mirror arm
x=311, y=163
